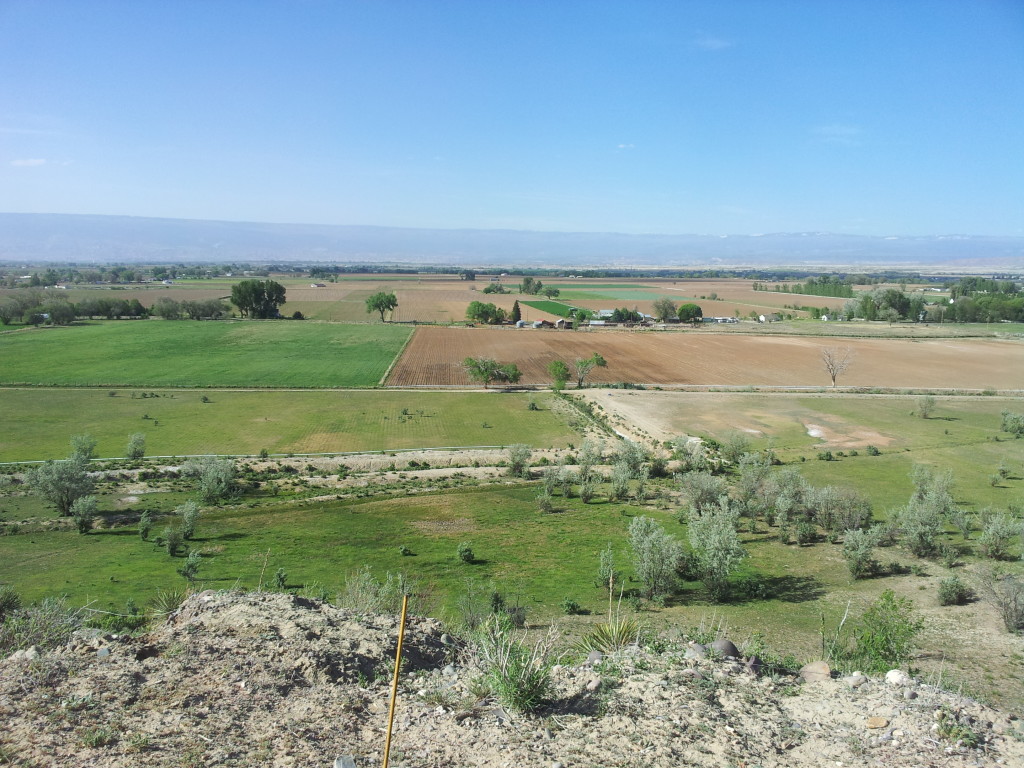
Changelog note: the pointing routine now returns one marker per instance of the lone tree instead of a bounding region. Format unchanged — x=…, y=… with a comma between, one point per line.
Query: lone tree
x=62, y=483
x=585, y=365
x=560, y=373
x=381, y=302
x=517, y=313
x=258, y=299
x=836, y=361
x=485, y=370
x=665, y=309
x=690, y=313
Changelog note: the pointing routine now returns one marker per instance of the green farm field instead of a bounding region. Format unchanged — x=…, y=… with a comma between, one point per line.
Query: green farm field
x=36, y=424
x=155, y=353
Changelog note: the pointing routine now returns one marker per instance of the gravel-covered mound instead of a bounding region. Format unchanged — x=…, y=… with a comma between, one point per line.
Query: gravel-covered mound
x=266, y=679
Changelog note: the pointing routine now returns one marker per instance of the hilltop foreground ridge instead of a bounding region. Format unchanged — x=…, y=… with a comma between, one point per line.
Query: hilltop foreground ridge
x=271, y=679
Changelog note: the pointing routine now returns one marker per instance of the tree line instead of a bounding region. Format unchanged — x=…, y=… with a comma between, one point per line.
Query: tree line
x=253, y=298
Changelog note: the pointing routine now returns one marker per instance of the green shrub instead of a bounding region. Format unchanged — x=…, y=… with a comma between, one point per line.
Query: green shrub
x=83, y=511
x=873, y=451
x=10, y=600
x=280, y=579
x=953, y=591
x=173, y=540
x=519, y=675
x=570, y=607
x=45, y=624
x=858, y=549
x=886, y=636
x=465, y=552
x=190, y=568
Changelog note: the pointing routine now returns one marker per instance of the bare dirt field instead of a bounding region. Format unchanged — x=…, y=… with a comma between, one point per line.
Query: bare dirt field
x=703, y=358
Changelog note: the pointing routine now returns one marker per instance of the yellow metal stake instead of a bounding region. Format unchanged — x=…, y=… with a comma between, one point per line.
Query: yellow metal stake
x=394, y=682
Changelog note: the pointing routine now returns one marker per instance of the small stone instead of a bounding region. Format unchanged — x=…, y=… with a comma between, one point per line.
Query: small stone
x=855, y=680
x=31, y=653
x=693, y=674
x=594, y=684
x=344, y=761
x=594, y=657
x=556, y=764
x=815, y=672
x=877, y=722
x=898, y=678
x=446, y=639
x=102, y=653
x=695, y=651
x=726, y=648
x=909, y=693
x=449, y=671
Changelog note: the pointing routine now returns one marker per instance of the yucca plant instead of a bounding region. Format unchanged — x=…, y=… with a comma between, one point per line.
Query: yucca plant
x=166, y=601
x=620, y=632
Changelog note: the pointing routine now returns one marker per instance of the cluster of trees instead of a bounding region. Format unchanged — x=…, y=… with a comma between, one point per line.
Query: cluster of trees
x=486, y=370
x=259, y=299
x=115, y=274
x=581, y=368
x=203, y=309
x=532, y=286
x=625, y=315
x=38, y=308
x=488, y=314
x=826, y=285
x=666, y=311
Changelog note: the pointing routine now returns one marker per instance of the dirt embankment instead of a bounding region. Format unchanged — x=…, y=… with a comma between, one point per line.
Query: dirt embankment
x=266, y=679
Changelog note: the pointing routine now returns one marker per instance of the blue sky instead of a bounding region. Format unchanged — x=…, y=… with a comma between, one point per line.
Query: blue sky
x=880, y=118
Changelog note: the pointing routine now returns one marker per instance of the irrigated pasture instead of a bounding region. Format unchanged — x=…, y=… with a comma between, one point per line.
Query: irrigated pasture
x=702, y=357
x=36, y=424
x=162, y=353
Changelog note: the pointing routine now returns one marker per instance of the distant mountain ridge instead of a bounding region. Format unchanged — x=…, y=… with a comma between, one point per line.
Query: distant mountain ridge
x=87, y=238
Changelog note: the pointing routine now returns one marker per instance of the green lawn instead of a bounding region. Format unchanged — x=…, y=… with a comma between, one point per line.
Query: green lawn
x=36, y=424
x=156, y=353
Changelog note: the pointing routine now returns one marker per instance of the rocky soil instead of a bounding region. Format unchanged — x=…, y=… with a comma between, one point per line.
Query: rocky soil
x=268, y=679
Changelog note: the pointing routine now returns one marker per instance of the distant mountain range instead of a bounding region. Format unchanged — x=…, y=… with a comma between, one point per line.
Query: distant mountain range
x=92, y=239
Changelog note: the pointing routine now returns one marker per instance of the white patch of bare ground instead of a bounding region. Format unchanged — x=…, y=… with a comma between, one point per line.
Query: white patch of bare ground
x=267, y=679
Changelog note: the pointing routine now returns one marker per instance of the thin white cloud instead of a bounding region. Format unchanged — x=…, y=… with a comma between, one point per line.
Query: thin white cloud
x=28, y=162
x=839, y=134
x=626, y=146
x=712, y=43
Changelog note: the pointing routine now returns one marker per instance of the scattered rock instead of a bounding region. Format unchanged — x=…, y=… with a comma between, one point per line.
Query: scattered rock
x=898, y=678
x=594, y=657
x=877, y=722
x=726, y=648
x=816, y=672
x=695, y=651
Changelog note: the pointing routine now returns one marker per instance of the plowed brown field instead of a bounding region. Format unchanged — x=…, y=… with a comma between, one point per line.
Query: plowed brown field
x=434, y=358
